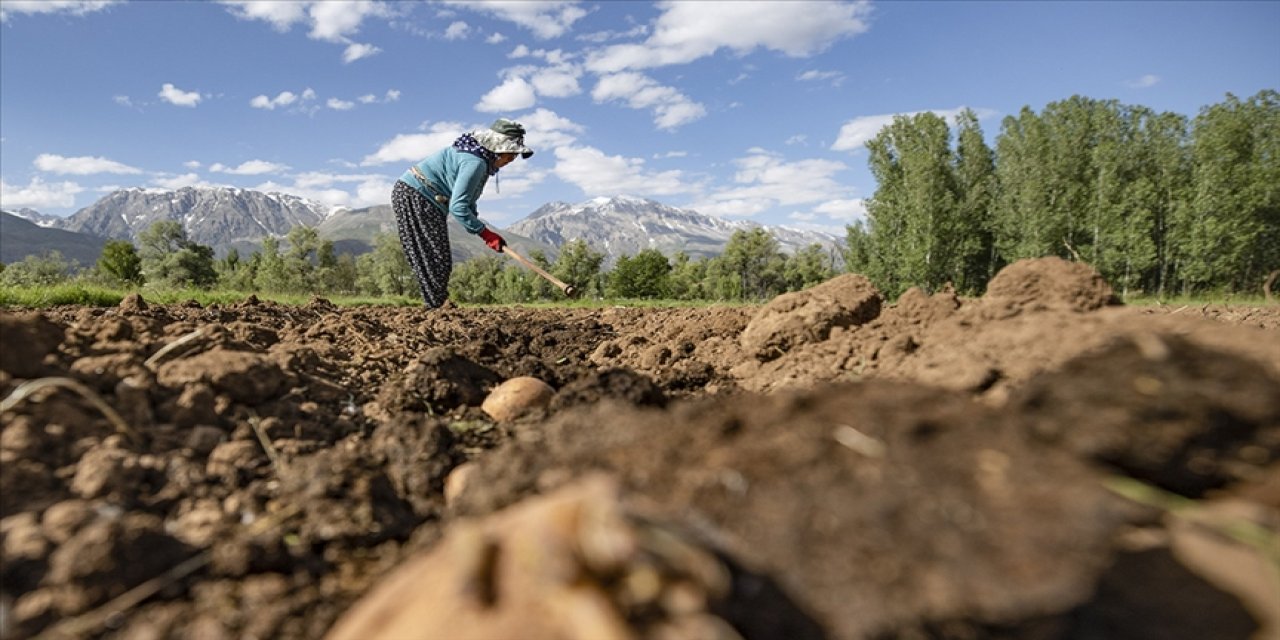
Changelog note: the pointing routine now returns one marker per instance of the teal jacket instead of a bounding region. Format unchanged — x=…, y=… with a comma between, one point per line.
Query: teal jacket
x=456, y=175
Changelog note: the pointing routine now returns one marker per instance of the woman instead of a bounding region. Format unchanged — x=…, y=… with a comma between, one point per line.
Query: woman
x=450, y=181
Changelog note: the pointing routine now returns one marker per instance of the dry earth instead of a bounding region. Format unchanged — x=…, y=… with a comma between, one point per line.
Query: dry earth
x=1041, y=462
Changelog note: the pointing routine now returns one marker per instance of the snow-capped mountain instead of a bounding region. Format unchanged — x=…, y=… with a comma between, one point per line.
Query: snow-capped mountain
x=37, y=218
x=216, y=216
x=626, y=225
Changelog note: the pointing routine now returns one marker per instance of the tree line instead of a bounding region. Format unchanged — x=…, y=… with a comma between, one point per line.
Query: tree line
x=1156, y=202
x=752, y=268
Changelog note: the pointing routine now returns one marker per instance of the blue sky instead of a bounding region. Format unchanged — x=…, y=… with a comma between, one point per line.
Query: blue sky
x=738, y=109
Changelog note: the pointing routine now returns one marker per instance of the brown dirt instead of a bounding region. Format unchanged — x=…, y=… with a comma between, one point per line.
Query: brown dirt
x=1011, y=466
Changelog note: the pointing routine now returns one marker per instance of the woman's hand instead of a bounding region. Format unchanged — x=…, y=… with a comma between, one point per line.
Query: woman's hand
x=492, y=239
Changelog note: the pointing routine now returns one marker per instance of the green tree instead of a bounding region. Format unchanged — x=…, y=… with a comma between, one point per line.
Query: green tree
x=37, y=271
x=754, y=259
x=809, y=266
x=686, y=278
x=645, y=276
x=120, y=261
x=579, y=266
x=1230, y=234
x=169, y=258
x=914, y=227
x=975, y=176
x=385, y=271
x=272, y=274
x=476, y=280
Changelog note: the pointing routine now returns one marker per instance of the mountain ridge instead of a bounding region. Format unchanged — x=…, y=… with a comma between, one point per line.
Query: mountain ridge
x=228, y=217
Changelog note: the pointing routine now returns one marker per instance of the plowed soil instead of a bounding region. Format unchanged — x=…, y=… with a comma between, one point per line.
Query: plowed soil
x=1040, y=462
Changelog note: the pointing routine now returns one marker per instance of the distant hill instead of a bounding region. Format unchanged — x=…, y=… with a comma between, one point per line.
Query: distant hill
x=621, y=225
x=19, y=238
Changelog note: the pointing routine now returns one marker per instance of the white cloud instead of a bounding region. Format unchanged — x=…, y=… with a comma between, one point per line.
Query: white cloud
x=687, y=31
x=192, y=164
x=355, y=51
x=520, y=51
x=545, y=18
x=765, y=181
x=123, y=101
x=813, y=75
x=845, y=210
x=1149, y=80
x=180, y=181
x=412, y=147
x=597, y=174
x=600, y=37
x=340, y=105
x=283, y=99
x=513, y=94
x=546, y=130
x=38, y=194
x=670, y=154
x=495, y=38
x=176, y=96
x=369, y=189
x=281, y=15
x=330, y=20
x=72, y=7
x=457, y=31
x=670, y=107
x=250, y=168
x=557, y=82
x=81, y=165
x=392, y=95
x=799, y=139
x=857, y=132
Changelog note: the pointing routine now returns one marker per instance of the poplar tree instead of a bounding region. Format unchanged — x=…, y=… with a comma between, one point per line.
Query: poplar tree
x=1230, y=235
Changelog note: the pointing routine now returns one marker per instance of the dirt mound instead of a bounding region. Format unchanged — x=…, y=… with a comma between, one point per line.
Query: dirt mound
x=251, y=470
x=807, y=316
x=1042, y=284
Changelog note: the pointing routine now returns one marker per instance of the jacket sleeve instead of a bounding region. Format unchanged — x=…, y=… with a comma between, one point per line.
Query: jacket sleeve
x=472, y=177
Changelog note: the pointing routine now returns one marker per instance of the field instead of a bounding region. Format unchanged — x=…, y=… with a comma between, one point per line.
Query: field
x=1040, y=462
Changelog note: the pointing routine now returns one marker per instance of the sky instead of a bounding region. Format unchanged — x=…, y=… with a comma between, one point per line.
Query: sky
x=744, y=110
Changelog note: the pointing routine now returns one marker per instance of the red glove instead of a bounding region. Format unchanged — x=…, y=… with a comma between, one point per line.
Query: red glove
x=492, y=239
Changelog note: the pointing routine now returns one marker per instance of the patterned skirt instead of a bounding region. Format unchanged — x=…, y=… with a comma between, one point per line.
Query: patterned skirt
x=425, y=239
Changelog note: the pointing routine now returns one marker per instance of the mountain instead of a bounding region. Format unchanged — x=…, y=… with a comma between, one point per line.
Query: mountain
x=221, y=217
x=621, y=225
x=31, y=215
x=20, y=237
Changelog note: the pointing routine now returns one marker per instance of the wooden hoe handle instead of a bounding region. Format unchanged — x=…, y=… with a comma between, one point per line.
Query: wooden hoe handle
x=566, y=288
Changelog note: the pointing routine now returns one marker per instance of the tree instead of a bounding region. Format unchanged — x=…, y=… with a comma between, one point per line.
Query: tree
x=476, y=280
x=579, y=266
x=37, y=271
x=1230, y=234
x=975, y=176
x=385, y=271
x=120, y=261
x=272, y=274
x=808, y=266
x=686, y=278
x=169, y=258
x=915, y=233
x=756, y=259
x=646, y=276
